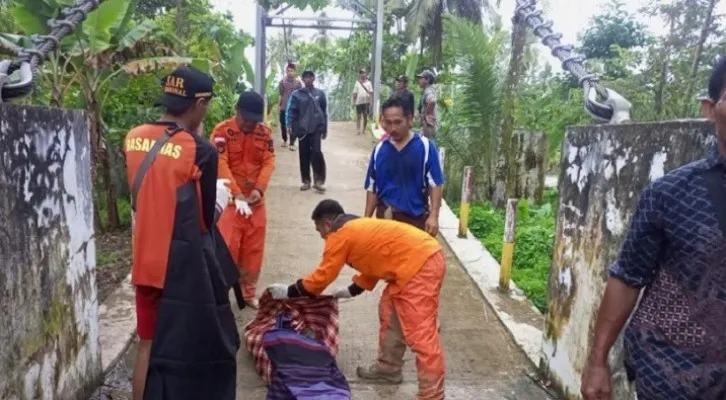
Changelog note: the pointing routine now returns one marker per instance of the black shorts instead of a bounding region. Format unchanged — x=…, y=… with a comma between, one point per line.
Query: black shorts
x=362, y=109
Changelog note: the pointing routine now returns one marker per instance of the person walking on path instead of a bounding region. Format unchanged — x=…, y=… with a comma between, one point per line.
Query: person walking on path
x=307, y=117
x=412, y=264
x=676, y=251
x=287, y=85
x=404, y=94
x=362, y=98
x=427, y=106
x=182, y=298
x=247, y=160
x=404, y=179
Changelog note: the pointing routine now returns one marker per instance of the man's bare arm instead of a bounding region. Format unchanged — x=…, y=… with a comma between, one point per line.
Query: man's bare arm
x=617, y=304
x=371, y=202
x=435, y=194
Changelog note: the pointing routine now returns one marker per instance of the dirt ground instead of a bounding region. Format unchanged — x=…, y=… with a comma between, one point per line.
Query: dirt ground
x=113, y=260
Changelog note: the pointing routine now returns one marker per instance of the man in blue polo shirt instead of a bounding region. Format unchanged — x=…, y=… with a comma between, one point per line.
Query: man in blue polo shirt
x=404, y=176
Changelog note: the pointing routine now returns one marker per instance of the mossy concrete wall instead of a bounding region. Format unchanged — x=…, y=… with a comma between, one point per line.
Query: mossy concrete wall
x=49, y=337
x=604, y=169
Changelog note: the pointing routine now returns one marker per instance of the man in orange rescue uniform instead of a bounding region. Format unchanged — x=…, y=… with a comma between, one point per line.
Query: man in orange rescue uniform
x=247, y=159
x=184, y=321
x=412, y=263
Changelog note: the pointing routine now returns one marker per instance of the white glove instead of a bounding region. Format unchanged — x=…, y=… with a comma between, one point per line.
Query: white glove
x=243, y=208
x=278, y=291
x=223, y=194
x=342, y=293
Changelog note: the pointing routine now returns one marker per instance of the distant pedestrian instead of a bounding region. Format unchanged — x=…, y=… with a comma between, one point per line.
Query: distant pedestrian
x=362, y=98
x=427, y=106
x=287, y=85
x=307, y=117
x=402, y=92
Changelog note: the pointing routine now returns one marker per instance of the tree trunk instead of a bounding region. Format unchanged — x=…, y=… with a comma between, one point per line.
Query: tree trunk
x=101, y=160
x=659, y=98
x=705, y=30
x=93, y=130
x=504, y=184
x=180, y=14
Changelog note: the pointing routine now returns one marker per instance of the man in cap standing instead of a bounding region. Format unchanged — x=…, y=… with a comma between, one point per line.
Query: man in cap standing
x=404, y=94
x=181, y=297
x=247, y=159
x=427, y=106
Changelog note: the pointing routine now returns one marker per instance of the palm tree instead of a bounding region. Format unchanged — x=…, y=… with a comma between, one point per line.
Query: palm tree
x=107, y=44
x=470, y=126
x=424, y=20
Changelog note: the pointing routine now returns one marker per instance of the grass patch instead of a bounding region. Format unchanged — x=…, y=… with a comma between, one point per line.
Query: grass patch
x=105, y=258
x=533, y=246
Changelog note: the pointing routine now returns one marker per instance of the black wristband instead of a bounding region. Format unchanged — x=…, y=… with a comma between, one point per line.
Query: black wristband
x=355, y=290
x=298, y=290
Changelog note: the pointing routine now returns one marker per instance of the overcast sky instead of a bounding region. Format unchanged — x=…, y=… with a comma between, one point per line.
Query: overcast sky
x=570, y=17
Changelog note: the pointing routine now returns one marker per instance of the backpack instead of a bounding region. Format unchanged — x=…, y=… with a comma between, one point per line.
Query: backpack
x=302, y=368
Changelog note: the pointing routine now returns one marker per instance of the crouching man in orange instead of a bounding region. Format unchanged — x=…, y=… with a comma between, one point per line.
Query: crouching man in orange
x=247, y=159
x=411, y=262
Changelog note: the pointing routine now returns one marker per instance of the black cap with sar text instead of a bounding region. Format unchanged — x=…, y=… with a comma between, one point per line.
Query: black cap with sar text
x=402, y=79
x=184, y=86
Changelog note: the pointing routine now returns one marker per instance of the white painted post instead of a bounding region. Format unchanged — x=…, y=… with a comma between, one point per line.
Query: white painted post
x=442, y=157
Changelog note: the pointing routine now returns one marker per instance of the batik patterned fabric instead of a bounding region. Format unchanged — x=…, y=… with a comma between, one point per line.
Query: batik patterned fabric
x=676, y=341
x=302, y=368
x=316, y=318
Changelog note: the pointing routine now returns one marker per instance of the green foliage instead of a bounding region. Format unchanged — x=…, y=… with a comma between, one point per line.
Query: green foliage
x=615, y=27
x=299, y=4
x=534, y=241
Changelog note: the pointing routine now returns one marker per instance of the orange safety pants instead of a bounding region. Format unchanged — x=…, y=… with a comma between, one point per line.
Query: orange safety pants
x=408, y=318
x=245, y=239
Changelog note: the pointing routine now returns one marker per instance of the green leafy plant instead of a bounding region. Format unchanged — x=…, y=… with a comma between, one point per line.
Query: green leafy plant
x=535, y=234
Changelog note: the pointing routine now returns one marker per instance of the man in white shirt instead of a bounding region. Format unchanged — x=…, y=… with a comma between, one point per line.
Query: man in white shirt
x=362, y=96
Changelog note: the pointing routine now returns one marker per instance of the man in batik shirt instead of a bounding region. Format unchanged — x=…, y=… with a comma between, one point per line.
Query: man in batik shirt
x=675, y=344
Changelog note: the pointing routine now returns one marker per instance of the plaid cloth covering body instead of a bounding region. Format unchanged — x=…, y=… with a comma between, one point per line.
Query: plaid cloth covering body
x=315, y=318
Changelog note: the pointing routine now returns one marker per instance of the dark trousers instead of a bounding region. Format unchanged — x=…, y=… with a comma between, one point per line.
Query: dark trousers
x=283, y=128
x=311, y=154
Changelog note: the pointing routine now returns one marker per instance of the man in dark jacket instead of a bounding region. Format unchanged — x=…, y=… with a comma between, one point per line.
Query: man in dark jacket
x=403, y=93
x=307, y=117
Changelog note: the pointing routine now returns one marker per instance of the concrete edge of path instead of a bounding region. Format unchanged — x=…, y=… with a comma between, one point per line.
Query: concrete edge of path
x=117, y=324
x=517, y=313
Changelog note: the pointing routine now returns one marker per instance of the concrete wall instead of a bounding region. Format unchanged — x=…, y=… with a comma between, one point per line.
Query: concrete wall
x=604, y=169
x=49, y=338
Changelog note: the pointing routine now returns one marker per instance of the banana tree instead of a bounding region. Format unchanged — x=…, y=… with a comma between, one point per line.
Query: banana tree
x=108, y=44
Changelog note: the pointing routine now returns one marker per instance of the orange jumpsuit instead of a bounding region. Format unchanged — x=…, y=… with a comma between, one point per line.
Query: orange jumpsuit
x=412, y=263
x=247, y=159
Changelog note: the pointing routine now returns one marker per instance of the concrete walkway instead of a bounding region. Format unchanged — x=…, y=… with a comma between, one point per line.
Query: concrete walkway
x=481, y=359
